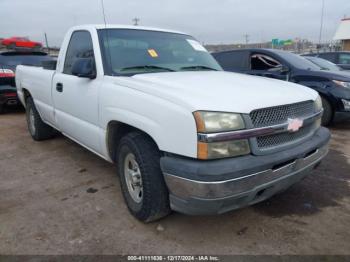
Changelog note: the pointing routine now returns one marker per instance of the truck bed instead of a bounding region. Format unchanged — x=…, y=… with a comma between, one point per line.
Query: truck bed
x=39, y=81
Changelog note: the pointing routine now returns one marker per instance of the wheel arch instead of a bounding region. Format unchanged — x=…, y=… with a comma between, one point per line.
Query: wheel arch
x=115, y=131
x=329, y=99
x=324, y=92
x=26, y=95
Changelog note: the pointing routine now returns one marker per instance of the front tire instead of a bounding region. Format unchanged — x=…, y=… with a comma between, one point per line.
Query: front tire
x=36, y=127
x=141, y=178
x=328, y=113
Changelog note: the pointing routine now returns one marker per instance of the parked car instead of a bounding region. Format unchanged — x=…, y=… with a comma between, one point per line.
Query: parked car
x=11, y=59
x=22, y=42
x=8, y=64
x=8, y=91
x=334, y=87
x=186, y=136
x=342, y=59
x=325, y=64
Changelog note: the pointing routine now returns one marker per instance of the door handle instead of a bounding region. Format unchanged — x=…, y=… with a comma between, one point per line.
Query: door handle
x=59, y=87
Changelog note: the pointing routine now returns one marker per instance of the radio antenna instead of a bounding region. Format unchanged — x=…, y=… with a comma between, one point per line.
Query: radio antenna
x=109, y=57
x=103, y=12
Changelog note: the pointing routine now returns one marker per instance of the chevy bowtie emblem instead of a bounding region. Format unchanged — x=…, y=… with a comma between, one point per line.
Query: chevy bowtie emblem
x=294, y=124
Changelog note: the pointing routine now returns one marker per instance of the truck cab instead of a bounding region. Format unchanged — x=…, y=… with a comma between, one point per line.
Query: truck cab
x=185, y=135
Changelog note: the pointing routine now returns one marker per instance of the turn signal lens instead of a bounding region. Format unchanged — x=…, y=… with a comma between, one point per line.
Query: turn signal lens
x=318, y=122
x=223, y=149
x=318, y=104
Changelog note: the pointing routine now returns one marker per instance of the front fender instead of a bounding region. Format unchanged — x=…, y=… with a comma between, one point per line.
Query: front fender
x=173, y=131
x=171, y=126
x=330, y=91
x=133, y=119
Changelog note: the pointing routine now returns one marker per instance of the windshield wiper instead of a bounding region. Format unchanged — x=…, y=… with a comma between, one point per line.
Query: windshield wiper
x=198, y=67
x=147, y=67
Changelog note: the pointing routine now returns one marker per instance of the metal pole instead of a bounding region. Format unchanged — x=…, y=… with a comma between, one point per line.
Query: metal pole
x=321, y=26
x=246, y=37
x=47, y=43
x=136, y=21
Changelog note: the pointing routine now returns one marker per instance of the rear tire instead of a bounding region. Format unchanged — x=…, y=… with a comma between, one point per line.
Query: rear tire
x=36, y=127
x=328, y=113
x=141, y=178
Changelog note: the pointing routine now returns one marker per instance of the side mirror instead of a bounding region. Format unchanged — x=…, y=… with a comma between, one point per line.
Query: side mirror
x=84, y=67
x=284, y=69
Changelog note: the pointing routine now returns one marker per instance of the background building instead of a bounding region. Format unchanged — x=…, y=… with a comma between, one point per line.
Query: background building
x=343, y=34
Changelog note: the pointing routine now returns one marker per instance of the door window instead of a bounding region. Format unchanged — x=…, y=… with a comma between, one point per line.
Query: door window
x=80, y=46
x=264, y=62
x=328, y=56
x=233, y=61
x=344, y=59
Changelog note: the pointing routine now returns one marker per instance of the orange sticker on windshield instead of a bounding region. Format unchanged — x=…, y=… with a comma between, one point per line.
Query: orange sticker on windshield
x=152, y=53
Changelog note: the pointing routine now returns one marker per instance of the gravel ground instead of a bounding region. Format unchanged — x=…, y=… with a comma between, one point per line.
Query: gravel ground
x=58, y=198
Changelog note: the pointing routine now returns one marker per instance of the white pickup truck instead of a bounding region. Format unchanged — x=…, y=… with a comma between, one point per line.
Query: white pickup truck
x=185, y=135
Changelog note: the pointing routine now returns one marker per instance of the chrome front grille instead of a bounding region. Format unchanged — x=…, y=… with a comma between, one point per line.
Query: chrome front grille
x=279, y=115
x=266, y=142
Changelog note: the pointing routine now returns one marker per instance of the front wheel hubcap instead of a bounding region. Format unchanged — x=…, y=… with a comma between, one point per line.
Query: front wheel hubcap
x=133, y=178
x=31, y=120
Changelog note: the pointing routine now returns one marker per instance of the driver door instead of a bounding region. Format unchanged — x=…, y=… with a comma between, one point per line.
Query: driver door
x=76, y=98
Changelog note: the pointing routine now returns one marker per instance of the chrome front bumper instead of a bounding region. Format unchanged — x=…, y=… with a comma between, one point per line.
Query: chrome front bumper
x=213, y=187
x=186, y=188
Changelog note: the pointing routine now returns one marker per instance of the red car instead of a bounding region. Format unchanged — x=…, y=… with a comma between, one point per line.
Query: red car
x=14, y=42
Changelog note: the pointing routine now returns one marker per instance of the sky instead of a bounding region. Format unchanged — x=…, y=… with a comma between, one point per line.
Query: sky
x=210, y=21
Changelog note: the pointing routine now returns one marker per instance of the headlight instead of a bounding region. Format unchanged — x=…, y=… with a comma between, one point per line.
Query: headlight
x=216, y=122
x=318, y=104
x=211, y=122
x=342, y=84
x=346, y=104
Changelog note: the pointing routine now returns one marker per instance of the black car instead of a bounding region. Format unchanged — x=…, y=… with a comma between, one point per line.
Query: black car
x=342, y=59
x=326, y=65
x=8, y=92
x=8, y=63
x=11, y=59
x=334, y=87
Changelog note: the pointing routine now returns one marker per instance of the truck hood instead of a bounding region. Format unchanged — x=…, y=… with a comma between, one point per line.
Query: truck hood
x=218, y=90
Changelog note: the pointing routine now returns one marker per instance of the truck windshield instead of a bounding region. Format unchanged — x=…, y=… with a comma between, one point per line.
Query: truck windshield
x=130, y=52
